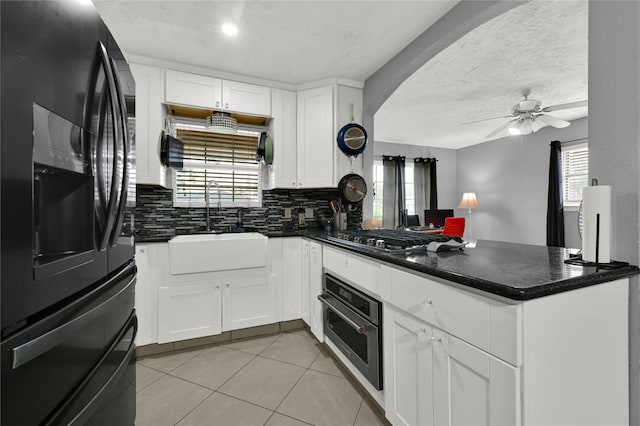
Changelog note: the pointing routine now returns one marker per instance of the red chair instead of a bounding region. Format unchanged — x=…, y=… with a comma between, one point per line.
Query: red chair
x=453, y=226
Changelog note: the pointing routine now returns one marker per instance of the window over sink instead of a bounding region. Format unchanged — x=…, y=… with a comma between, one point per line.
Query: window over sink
x=227, y=159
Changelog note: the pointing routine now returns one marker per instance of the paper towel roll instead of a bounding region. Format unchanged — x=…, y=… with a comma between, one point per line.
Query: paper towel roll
x=596, y=201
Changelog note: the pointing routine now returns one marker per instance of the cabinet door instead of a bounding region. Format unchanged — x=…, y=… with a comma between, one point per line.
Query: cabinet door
x=471, y=386
x=283, y=171
x=193, y=90
x=143, y=296
x=188, y=311
x=149, y=124
x=305, y=282
x=315, y=288
x=408, y=359
x=248, y=302
x=316, y=138
x=291, y=279
x=246, y=98
x=275, y=262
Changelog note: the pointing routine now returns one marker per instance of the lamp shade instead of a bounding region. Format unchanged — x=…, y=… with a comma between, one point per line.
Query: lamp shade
x=469, y=201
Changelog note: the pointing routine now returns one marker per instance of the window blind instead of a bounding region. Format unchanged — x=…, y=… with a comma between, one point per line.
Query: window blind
x=226, y=159
x=575, y=173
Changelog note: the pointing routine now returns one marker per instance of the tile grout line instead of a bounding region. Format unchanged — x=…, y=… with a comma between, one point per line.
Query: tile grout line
x=213, y=391
x=199, y=404
x=359, y=409
x=292, y=387
x=150, y=383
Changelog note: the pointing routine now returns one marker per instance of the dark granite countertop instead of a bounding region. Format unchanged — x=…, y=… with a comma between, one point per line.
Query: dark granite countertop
x=514, y=271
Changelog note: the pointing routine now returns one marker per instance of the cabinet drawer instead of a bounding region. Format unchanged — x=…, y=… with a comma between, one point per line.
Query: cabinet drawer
x=352, y=268
x=462, y=314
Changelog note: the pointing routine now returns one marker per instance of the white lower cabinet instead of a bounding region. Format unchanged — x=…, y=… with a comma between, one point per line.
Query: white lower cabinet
x=433, y=378
x=315, y=289
x=248, y=302
x=147, y=284
x=305, y=282
x=189, y=310
x=291, y=278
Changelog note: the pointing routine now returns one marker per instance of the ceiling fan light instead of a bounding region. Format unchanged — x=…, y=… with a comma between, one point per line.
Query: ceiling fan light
x=521, y=127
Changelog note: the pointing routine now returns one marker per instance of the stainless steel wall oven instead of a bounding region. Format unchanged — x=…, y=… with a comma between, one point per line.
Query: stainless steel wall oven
x=353, y=322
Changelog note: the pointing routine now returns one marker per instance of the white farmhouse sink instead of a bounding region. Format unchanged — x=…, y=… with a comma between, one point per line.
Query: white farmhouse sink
x=190, y=254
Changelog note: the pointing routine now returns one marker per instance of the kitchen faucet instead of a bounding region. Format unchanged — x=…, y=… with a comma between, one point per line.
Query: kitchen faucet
x=207, y=188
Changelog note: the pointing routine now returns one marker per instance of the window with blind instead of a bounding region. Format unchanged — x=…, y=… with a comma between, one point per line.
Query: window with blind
x=575, y=173
x=226, y=159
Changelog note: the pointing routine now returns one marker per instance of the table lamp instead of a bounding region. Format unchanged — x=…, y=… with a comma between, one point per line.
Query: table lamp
x=469, y=201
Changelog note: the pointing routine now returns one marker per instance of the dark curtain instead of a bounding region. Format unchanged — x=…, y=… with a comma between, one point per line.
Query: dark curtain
x=393, y=198
x=425, y=184
x=555, y=211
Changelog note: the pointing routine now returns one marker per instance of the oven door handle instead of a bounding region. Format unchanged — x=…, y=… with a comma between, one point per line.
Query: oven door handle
x=325, y=300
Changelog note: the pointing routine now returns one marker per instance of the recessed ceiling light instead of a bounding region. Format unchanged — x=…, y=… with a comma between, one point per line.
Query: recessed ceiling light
x=230, y=29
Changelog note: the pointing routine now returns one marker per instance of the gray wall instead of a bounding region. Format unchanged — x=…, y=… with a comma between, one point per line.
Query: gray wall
x=510, y=178
x=446, y=167
x=462, y=18
x=614, y=143
x=614, y=124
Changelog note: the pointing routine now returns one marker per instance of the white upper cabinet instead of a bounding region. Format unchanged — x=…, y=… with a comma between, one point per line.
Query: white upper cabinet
x=316, y=139
x=283, y=172
x=214, y=93
x=246, y=98
x=322, y=112
x=149, y=124
x=193, y=90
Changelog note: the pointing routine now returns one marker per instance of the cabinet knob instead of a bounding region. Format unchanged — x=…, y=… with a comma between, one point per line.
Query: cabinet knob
x=226, y=105
x=427, y=302
x=142, y=251
x=293, y=184
x=226, y=286
x=420, y=330
x=435, y=339
x=217, y=103
x=217, y=287
x=299, y=183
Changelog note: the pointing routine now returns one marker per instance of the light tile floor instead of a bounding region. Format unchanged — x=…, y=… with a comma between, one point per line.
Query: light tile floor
x=286, y=379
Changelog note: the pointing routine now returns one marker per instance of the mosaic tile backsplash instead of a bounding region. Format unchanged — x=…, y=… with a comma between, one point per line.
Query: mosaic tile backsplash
x=157, y=218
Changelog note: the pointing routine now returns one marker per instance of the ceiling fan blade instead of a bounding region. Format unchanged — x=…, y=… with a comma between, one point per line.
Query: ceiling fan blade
x=501, y=128
x=485, y=119
x=577, y=104
x=549, y=120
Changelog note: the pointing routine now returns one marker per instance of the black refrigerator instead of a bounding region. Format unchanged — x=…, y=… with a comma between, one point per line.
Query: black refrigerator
x=67, y=197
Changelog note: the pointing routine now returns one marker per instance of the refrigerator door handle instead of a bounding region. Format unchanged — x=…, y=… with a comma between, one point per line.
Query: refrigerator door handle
x=115, y=180
x=119, y=97
x=30, y=350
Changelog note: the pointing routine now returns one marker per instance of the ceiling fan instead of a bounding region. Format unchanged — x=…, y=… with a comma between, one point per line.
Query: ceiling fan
x=529, y=116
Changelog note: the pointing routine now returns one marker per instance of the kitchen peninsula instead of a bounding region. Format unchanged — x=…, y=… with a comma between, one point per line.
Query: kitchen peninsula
x=504, y=332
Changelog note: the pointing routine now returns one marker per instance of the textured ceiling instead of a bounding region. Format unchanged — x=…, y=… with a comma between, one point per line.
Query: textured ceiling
x=285, y=41
x=541, y=45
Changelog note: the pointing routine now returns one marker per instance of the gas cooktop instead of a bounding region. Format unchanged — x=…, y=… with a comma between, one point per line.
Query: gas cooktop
x=392, y=241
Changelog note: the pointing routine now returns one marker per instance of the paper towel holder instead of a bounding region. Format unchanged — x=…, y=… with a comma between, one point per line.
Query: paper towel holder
x=578, y=258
